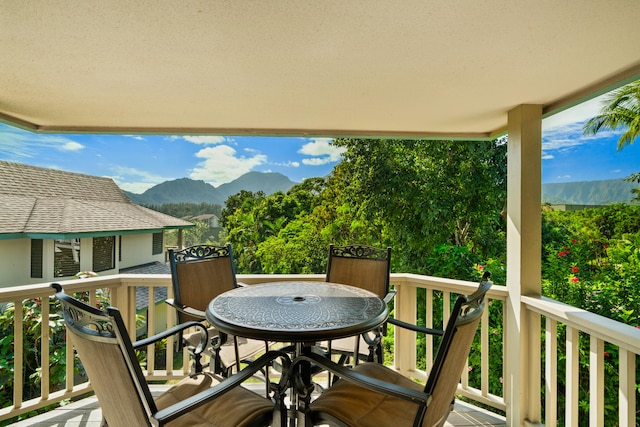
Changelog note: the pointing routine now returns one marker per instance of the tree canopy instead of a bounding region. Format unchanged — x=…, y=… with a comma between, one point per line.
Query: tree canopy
x=621, y=111
x=414, y=195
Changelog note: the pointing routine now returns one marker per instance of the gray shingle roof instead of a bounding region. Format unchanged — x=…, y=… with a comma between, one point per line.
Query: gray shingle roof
x=142, y=292
x=36, y=200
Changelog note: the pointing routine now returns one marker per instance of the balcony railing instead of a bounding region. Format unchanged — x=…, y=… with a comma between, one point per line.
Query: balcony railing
x=423, y=298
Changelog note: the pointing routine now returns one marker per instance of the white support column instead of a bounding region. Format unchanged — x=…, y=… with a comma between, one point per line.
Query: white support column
x=524, y=187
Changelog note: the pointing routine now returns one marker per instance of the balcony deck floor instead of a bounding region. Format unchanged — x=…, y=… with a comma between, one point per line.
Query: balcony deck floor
x=86, y=413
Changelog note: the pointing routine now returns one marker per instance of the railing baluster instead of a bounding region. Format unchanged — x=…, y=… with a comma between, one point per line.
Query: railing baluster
x=484, y=354
x=573, y=377
x=44, y=348
x=70, y=363
x=627, y=389
x=18, y=348
x=429, y=324
x=551, y=373
x=171, y=340
x=596, y=381
x=151, y=316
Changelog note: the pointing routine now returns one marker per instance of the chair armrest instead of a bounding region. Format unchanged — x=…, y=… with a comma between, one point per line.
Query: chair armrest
x=415, y=328
x=347, y=374
x=186, y=310
x=172, y=412
x=390, y=296
x=179, y=328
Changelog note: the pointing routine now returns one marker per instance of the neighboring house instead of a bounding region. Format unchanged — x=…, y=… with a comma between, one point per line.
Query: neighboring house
x=210, y=219
x=54, y=224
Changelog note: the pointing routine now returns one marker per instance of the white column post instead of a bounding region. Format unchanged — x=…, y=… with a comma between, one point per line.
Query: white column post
x=524, y=187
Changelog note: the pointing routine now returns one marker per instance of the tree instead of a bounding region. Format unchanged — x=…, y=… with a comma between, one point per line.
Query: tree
x=426, y=193
x=621, y=110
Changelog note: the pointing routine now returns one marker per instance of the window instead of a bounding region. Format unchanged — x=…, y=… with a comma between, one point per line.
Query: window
x=104, y=253
x=157, y=243
x=66, y=257
x=36, y=258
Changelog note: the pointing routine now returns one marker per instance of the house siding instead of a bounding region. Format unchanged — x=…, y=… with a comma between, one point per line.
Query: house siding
x=136, y=250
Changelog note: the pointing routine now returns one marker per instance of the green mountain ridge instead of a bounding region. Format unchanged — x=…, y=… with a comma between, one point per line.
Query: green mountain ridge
x=185, y=190
x=603, y=192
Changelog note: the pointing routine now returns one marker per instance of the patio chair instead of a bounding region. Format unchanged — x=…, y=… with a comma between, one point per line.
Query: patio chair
x=371, y=394
x=204, y=399
x=199, y=274
x=368, y=268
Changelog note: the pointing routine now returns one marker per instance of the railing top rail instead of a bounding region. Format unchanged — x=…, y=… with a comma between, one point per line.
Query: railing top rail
x=612, y=331
x=447, y=285
x=16, y=293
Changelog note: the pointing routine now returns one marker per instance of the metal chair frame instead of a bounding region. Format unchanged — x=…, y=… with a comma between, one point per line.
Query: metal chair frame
x=344, y=265
x=430, y=405
x=90, y=327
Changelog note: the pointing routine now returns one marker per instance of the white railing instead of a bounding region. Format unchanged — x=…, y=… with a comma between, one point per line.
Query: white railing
x=121, y=289
x=438, y=293
x=435, y=298
x=604, y=338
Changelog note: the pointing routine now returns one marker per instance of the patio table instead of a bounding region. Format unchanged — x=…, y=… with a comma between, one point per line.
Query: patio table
x=302, y=313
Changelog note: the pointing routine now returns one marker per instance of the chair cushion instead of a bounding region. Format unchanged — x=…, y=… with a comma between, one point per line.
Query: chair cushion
x=237, y=408
x=358, y=406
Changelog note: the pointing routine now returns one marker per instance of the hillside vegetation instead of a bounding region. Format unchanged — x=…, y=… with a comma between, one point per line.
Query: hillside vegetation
x=604, y=192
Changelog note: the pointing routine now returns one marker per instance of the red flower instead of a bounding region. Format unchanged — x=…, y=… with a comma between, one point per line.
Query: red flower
x=574, y=279
x=573, y=241
x=562, y=253
x=480, y=267
x=606, y=354
x=574, y=269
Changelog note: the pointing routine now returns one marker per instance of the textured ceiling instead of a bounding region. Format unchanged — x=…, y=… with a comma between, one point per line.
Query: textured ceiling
x=397, y=68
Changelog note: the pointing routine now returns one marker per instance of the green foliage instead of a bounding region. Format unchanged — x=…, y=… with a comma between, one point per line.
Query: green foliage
x=592, y=261
x=621, y=111
x=32, y=349
x=412, y=195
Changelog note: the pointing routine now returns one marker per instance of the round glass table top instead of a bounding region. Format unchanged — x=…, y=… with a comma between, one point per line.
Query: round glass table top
x=297, y=311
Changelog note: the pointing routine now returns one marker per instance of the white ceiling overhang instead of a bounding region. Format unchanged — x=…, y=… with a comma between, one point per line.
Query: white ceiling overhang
x=282, y=67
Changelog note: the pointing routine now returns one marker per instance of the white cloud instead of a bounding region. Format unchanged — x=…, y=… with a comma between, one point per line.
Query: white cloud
x=289, y=164
x=322, y=150
x=136, y=180
x=71, y=146
x=135, y=187
x=222, y=164
x=575, y=115
x=205, y=139
x=137, y=137
x=16, y=143
x=563, y=131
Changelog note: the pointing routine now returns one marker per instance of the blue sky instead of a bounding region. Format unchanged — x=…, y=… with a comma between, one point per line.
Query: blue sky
x=138, y=162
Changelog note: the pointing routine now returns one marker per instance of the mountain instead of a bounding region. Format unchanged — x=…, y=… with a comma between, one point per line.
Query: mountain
x=185, y=190
x=269, y=183
x=190, y=191
x=603, y=192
